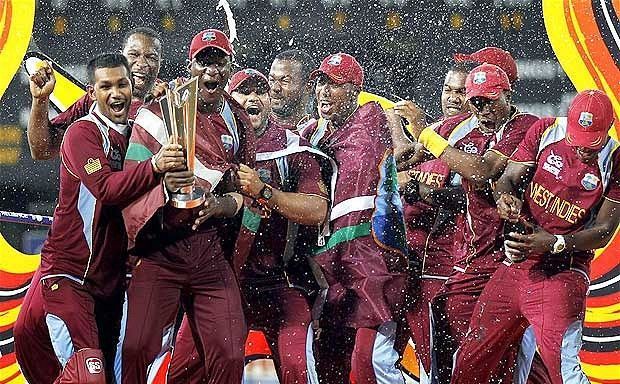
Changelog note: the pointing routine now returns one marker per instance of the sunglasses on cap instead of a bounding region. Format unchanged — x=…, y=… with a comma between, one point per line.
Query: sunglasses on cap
x=480, y=102
x=260, y=87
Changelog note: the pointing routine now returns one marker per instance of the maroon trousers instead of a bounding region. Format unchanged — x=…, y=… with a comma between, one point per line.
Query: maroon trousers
x=210, y=297
x=452, y=309
x=59, y=318
x=553, y=303
x=418, y=320
x=283, y=315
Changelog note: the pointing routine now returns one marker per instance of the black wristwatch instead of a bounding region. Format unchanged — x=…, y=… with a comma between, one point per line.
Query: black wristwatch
x=265, y=194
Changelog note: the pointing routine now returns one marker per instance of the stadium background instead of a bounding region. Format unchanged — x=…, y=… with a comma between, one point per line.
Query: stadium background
x=405, y=47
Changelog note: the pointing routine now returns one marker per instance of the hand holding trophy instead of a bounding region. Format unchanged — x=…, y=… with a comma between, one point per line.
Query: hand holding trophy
x=178, y=109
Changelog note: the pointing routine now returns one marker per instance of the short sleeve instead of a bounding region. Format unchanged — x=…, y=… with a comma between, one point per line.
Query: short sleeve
x=527, y=149
x=514, y=134
x=613, y=191
x=308, y=170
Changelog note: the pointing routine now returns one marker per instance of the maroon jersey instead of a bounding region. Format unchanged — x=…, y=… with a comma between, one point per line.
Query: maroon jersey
x=565, y=193
x=283, y=163
x=222, y=140
x=87, y=241
x=483, y=235
x=433, y=233
x=80, y=109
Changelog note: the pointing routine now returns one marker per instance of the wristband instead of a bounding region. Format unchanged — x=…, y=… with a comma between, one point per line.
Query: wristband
x=433, y=141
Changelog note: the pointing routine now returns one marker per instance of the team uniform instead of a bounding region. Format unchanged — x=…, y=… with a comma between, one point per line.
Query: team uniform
x=180, y=266
x=453, y=305
x=82, y=269
x=31, y=315
x=277, y=283
x=434, y=237
x=546, y=291
x=364, y=261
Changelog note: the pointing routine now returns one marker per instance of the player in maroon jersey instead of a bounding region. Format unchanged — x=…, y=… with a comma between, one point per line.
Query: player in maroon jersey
x=477, y=146
x=141, y=47
x=186, y=260
x=569, y=168
x=83, y=259
x=432, y=230
x=276, y=279
x=364, y=260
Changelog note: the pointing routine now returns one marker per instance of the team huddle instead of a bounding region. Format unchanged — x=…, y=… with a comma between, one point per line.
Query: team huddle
x=339, y=230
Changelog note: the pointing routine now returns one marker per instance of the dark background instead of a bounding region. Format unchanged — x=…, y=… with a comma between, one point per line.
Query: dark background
x=404, y=46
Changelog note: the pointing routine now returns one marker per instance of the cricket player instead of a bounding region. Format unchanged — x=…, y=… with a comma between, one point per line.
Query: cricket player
x=83, y=259
x=186, y=256
x=364, y=260
x=571, y=204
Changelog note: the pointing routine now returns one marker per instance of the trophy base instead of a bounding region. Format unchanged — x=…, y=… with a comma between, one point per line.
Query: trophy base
x=188, y=200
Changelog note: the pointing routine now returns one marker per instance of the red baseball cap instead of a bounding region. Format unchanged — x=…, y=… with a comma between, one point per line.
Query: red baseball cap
x=486, y=80
x=341, y=68
x=495, y=56
x=590, y=116
x=238, y=78
x=210, y=38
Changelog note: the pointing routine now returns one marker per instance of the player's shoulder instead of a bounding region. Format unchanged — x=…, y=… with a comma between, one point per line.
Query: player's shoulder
x=521, y=120
x=446, y=125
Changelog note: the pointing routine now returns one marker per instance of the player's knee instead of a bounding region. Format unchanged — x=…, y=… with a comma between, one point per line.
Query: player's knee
x=84, y=367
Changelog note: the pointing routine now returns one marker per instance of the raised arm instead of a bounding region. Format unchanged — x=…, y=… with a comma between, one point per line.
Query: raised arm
x=44, y=141
x=473, y=167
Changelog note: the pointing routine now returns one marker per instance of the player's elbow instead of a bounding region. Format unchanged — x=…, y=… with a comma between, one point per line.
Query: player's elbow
x=41, y=153
x=316, y=213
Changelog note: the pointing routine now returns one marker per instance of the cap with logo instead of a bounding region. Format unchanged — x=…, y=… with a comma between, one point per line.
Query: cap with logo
x=341, y=68
x=210, y=38
x=238, y=78
x=492, y=55
x=590, y=115
x=486, y=80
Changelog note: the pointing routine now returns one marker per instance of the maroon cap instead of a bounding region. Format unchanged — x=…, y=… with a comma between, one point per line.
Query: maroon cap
x=492, y=55
x=210, y=38
x=486, y=80
x=590, y=116
x=341, y=68
x=243, y=75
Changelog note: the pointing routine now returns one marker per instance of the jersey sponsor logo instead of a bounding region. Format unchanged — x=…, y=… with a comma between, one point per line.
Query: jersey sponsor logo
x=116, y=159
x=480, y=77
x=585, y=119
x=555, y=205
x=470, y=148
x=590, y=181
x=264, y=175
x=92, y=166
x=208, y=36
x=432, y=179
x=335, y=60
x=94, y=365
x=227, y=141
x=554, y=164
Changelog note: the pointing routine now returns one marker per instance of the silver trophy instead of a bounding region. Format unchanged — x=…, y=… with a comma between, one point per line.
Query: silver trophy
x=178, y=109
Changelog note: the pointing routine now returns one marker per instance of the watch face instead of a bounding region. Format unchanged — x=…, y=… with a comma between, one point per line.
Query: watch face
x=266, y=192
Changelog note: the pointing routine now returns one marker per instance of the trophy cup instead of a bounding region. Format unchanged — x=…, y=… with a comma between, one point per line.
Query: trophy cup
x=178, y=109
